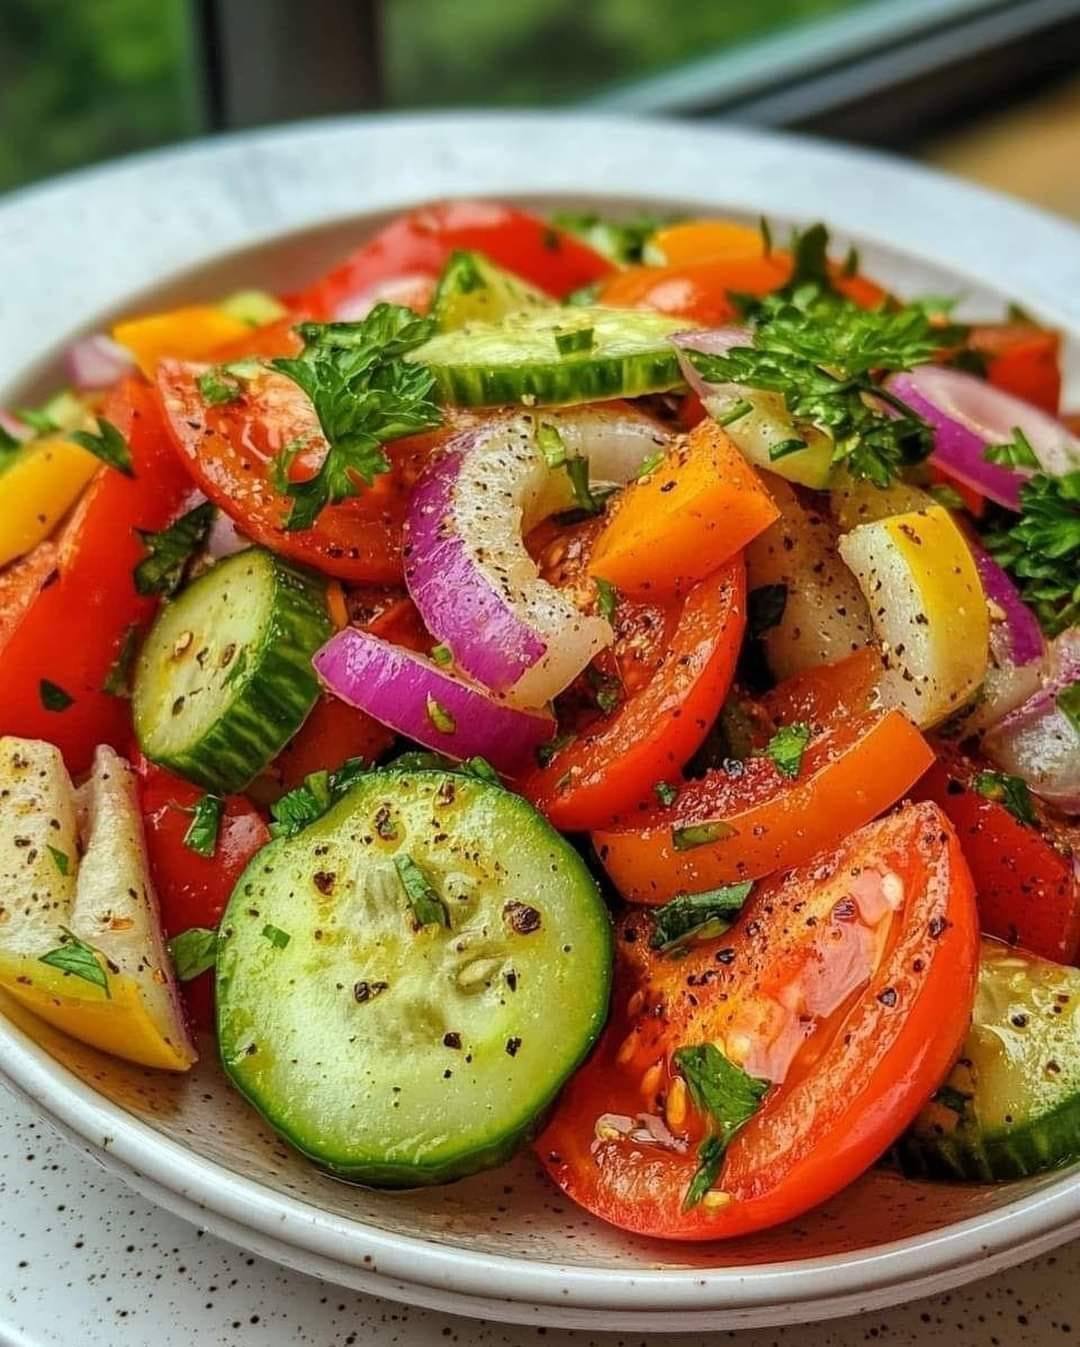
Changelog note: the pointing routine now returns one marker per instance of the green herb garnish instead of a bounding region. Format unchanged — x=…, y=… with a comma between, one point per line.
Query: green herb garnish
x=607, y=598
x=79, y=960
x=726, y=1094
x=1015, y=453
x=1010, y=791
x=107, y=444
x=551, y=444
x=622, y=241
x=695, y=915
x=61, y=860
x=649, y=465
x=666, y=793
x=1041, y=550
x=739, y=408
x=169, y=550
x=700, y=834
x=215, y=390
x=364, y=394
x=1068, y=703
x=277, y=937
x=307, y=803
x=442, y=719
x=427, y=907
x=546, y=753
x=118, y=681
x=202, y=834
x=575, y=339
x=786, y=748
x=53, y=696
x=442, y=655
x=194, y=951
x=577, y=469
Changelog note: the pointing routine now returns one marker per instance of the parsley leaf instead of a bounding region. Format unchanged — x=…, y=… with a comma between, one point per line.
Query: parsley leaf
x=53, y=696
x=607, y=689
x=428, y=908
x=1015, y=453
x=577, y=469
x=61, y=860
x=442, y=719
x=118, y=680
x=309, y=802
x=193, y=951
x=765, y=608
x=693, y=835
x=622, y=241
x=108, y=445
x=277, y=937
x=364, y=395
x=9, y=448
x=666, y=793
x=161, y=571
x=787, y=746
x=725, y=1093
x=695, y=915
x=1068, y=703
x=1041, y=550
x=1011, y=791
x=202, y=834
x=551, y=444
x=710, y=1162
x=216, y=390
x=79, y=960
x=607, y=597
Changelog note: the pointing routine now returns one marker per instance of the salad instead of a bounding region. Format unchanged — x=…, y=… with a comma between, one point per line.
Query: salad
x=608, y=686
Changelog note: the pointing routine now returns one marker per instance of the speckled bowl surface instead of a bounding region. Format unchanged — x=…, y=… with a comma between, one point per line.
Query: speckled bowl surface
x=272, y=209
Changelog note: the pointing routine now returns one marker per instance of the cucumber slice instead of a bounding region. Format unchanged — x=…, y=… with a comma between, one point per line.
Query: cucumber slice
x=472, y=289
x=391, y=1048
x=555, y=356
x=224, y=679
x=1011, y=1106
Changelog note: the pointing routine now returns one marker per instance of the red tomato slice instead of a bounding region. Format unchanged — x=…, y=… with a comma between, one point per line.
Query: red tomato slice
x=229, y=450
x=1026, y=877
x=332, y=733
x=1024, y=360
x=847, y=985
x=418, y=244
x=752, y=819
x=77, y=600
x=617, y=760
x=193, y=890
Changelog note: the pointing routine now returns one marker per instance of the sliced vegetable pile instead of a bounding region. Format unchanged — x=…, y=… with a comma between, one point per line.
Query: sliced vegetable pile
x=575, y=681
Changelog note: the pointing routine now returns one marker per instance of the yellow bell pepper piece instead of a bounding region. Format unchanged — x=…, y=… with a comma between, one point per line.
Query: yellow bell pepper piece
x=699, y=240
x=43, y=481
x=191, y=333
x=928, y=609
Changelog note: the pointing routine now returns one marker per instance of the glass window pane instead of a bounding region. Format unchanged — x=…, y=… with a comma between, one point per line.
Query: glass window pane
x=446, y=52
x=88, y=79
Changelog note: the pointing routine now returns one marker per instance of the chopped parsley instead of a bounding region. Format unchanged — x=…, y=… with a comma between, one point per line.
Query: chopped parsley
x=738, y=409
x=277, y=937
x=306, y=803
x=193, y=951
x=575, y=339
x=1010, y=791
x=442, y=656
x=53, y=696
x=202, y=834
x=79, y=960
x=61, y=860
x=546, y=753
x=107, y=444
x=607, y=597
x=649, y=465
x=428, y=908
x=216, y=390
x=118, y=681
x=666, y=793
x=1041, y=549
x=947, y=495
x=621, y=241
x=551, y=444
x=607, y=689
x=786, y=748
x=364, y=394
x=693, y=916
x=1015, y=453
x=577, y=469
x=169, y=550
x=765, y=230
x=9, y=448
x=727, y=1096
x=700, y=834
x=765, y=608
x=481, y=769
x=1068, y=703
x=442, y=719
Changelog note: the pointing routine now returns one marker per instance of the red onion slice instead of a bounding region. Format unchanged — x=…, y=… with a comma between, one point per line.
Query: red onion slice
x=97, y=362
x=18, y=430
x=1017, y=638
x=713, y=341
x=968, y=415
x=466, y=566
x=413, y=696
x=1038, y=741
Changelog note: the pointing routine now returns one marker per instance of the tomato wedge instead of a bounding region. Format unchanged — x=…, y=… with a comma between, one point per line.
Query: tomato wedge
x=825, y=693
x=847, y=986
x=615, y=762
x=229, y=450
x=61, y=634
x=1027, y=878
x=752, y=819
x=1024, y=360
x=192, y=890
x=333, y=732
x=417, y=244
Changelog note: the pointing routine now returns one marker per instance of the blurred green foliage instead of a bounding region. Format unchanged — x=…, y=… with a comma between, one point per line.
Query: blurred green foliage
x=457, y=52
x=86, y=79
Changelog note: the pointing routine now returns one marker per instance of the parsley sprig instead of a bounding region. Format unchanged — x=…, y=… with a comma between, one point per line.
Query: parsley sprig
x=364, y=394
x=1041, y=549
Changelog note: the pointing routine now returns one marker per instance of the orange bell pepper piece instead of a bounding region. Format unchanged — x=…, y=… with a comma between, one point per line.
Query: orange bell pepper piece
x=696, y=240
x=685, y=519
x=195, y=332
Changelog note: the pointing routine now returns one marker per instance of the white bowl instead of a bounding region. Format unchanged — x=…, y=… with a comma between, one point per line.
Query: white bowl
x=272, y=208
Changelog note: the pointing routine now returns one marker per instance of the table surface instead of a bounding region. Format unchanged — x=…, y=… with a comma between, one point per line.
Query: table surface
x=85, y=1260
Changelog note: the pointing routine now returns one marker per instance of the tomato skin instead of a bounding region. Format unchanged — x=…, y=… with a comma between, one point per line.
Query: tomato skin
x=848, y=1086
x=616, y=762
x=826, y=693
x=1024, y=360
x=856, y=767
x=193, y=890
x=71, y=628
x=229, y=449
x=1026, y=878
x=419, y=243
x=333, y=732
